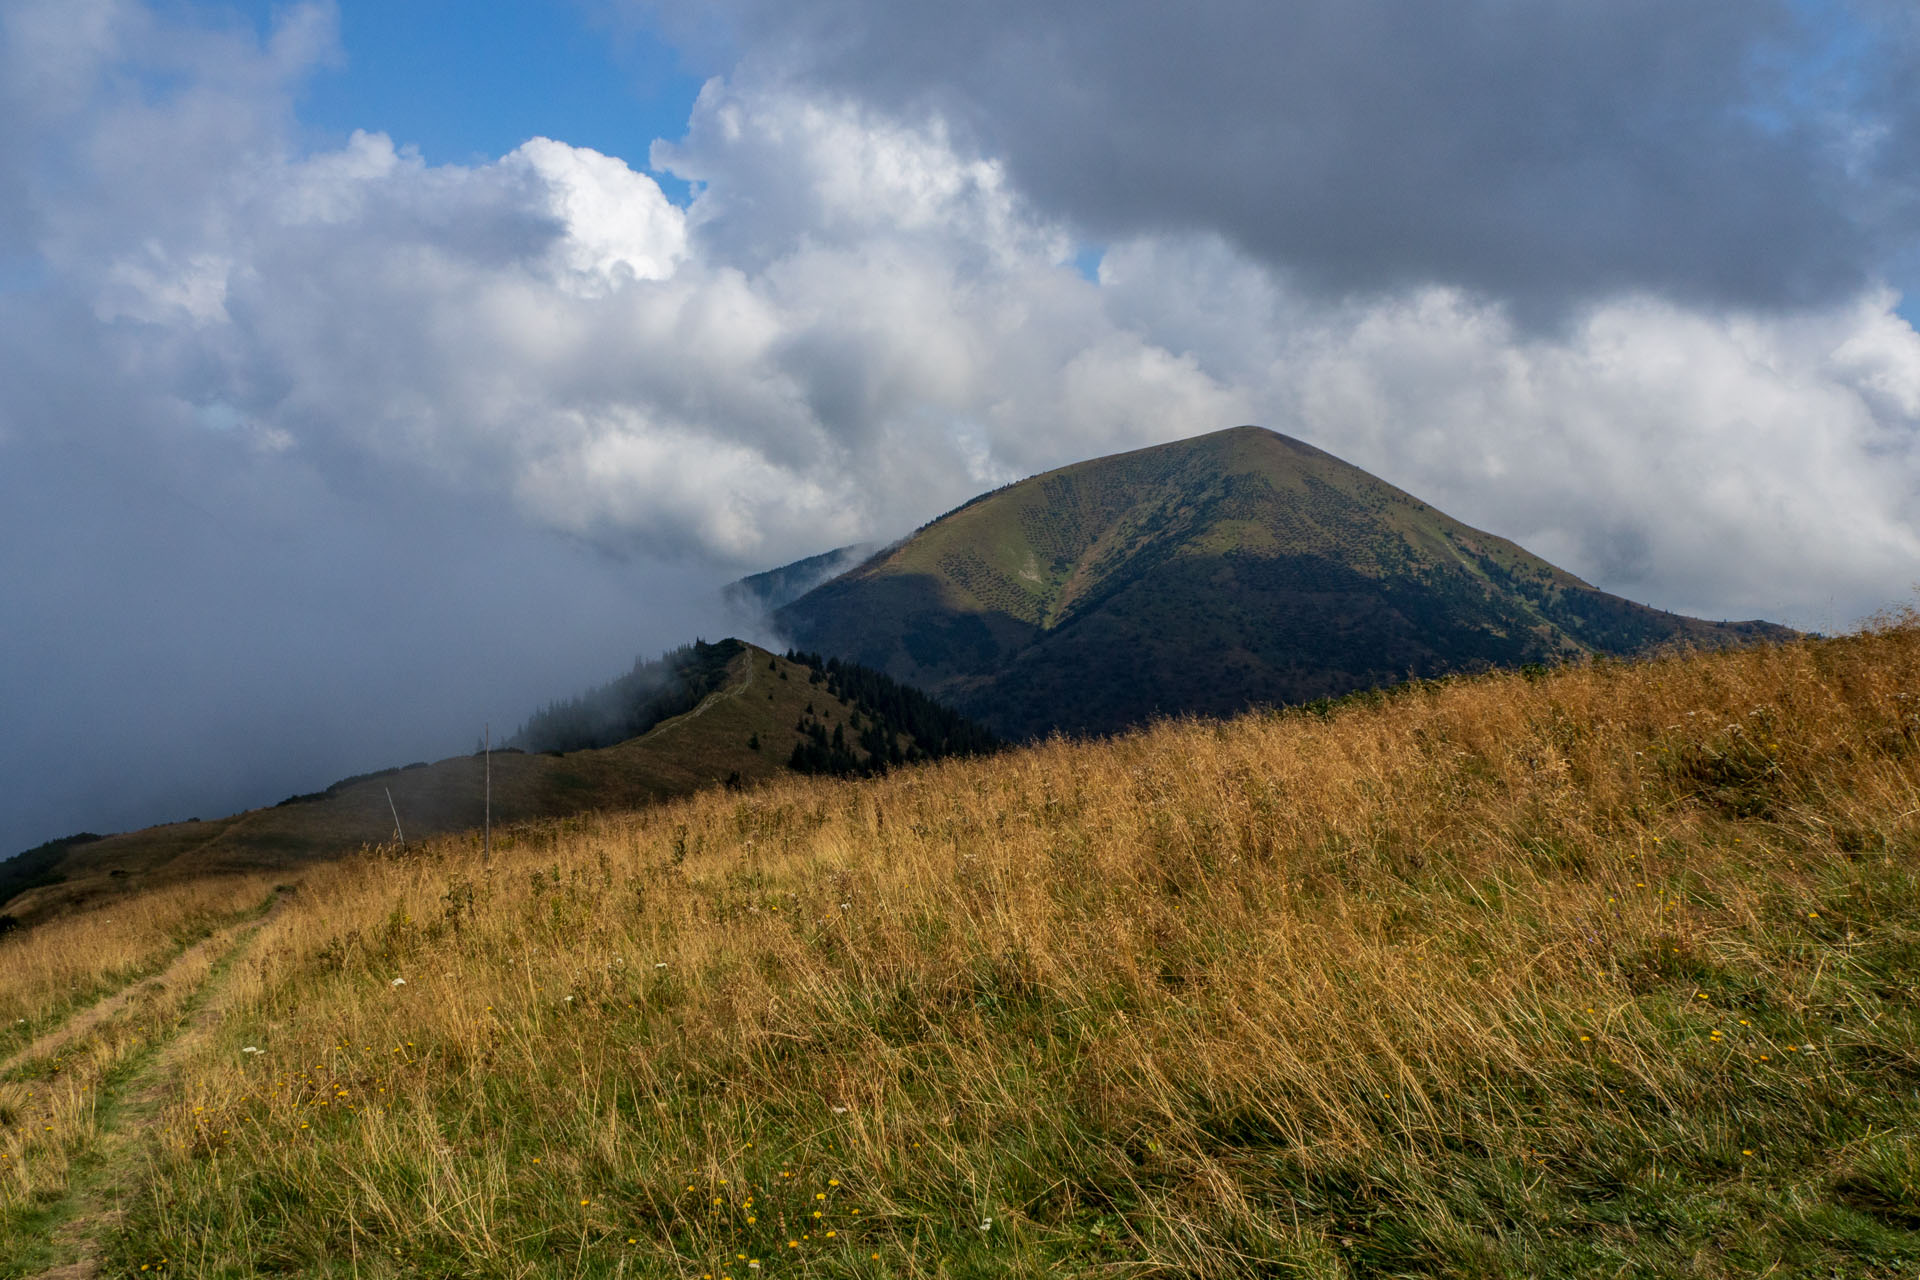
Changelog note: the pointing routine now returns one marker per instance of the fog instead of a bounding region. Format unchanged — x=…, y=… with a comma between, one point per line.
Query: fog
x=315, y=457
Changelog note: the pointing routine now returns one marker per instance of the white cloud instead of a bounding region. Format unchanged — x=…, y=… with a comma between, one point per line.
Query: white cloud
x=619, y=225
x=858, y=323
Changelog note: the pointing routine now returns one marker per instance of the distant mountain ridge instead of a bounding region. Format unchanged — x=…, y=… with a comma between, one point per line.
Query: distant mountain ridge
x=1234, y=569
x=764, y=592
x=705, y=715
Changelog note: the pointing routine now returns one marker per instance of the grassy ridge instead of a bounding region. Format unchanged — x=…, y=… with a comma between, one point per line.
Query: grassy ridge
x=745, y=729
x=1610, y=970
x=1233, y=570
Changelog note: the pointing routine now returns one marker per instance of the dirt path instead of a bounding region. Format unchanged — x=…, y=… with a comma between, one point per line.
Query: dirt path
x=718, y=695
x=99, y=1011
x=108, y=1175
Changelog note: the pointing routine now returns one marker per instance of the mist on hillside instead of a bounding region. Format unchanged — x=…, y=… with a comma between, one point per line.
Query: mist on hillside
x=240, y=660
x=629, y=705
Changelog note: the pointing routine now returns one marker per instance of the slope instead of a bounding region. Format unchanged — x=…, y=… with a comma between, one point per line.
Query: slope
x=1205, y=576
x=1609, y=972
x=759, y=713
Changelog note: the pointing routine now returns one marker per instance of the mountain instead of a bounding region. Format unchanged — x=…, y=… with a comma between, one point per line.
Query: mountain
x=653, y=691
x=762, y=592
x=1235, y=569
x=703, y=716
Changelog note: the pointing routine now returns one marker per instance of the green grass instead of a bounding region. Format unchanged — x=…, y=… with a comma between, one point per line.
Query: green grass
x=1516, y=976
x=1208, y=576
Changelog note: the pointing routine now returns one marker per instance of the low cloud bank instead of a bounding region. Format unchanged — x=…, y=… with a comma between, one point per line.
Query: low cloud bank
x=313, y=459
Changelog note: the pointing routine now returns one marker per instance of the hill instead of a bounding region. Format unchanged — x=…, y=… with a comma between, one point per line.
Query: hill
x=1609, y=970
x=760, y=593
x=707, y=715
x=1236, y=569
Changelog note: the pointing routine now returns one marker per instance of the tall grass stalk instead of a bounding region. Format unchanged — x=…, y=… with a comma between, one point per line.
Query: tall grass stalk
x=1611, y=970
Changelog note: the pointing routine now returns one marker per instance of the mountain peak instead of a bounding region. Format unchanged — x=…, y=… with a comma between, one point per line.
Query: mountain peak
x=1231, y=569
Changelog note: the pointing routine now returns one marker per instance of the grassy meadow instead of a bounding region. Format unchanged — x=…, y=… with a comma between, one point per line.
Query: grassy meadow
x=1610, y=970
x=71, y=961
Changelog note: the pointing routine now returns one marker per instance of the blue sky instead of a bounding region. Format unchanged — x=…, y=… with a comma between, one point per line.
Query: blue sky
x=451, y=442
x=468, y=82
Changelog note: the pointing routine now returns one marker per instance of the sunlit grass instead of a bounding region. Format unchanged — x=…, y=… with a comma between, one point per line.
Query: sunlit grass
x=64, y=964
x=1609, y=970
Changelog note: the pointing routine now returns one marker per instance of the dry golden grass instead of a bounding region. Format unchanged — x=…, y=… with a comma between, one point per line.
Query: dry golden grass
x=144, y=959
x=60, y=965
x=1614, y=968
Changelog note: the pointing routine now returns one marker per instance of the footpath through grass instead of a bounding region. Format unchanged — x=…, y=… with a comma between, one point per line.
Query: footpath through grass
x=71, y=1122
x=1608, y=972
x=61, y=967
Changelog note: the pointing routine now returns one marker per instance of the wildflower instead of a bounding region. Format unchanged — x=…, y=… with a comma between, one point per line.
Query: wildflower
x=839, y=1111
x=399, y=982
x=987, y=1225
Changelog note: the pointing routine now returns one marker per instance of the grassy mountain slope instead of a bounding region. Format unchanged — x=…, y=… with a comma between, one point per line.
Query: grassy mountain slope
x=1609, y=971
x=750, y=697
x=760, y=592
x=1230, y=570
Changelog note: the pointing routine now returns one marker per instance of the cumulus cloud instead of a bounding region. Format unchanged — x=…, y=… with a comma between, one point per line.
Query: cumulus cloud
x=1752, y=152
x=313, y=458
